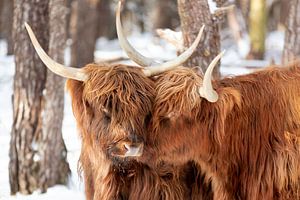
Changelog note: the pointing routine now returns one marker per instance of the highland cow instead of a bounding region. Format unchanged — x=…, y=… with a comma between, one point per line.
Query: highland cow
x=244, y=134
x=113, y=105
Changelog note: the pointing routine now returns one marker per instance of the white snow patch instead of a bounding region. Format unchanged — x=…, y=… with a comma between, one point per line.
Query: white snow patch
x=212, y=6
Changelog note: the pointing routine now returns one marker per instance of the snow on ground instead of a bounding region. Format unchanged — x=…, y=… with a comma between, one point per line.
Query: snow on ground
x=145, y=43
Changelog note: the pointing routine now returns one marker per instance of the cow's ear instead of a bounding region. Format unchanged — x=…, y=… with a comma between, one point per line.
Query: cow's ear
x=229, y=99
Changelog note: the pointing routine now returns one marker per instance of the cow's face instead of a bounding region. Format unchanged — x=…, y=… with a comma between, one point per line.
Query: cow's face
x=185, y=126
x=113, y=109
x=172, y=126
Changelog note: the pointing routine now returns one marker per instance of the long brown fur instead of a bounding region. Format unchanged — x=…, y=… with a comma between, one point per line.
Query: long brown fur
x=109, y=107
x=247, y=143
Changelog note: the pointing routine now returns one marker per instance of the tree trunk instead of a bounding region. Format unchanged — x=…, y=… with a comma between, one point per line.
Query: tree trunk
x=29, y=83
x=7, y=23
x=193, y=14
x=292, y=34
x=257, y=28
x=1, y=19
x=165, y=14
x=244, y=6
x=83, y=31
x=37, y=151
x=55, y=171
x=106, y=20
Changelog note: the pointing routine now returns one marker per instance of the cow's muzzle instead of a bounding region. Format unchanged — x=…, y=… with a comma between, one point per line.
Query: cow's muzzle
x=133, y=149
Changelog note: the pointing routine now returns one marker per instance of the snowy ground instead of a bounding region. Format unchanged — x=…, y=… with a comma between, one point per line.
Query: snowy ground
x=147, y=45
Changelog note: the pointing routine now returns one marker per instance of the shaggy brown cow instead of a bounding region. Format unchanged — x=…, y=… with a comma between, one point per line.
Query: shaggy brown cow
x=245, y=136
x=112, y=105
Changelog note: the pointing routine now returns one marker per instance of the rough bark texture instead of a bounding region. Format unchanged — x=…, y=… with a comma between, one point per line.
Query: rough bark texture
x=106, y=20
x=6, y=24
x=37, y=151
x=257, y=28
x=55, y=171
x=165, y=14
x=29, y=83
x=1, y=16
x=292, y=34
x=84, y=28
x=193, y=14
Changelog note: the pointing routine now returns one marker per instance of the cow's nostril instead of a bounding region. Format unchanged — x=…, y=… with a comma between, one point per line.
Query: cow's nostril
x=126, y=146
x=133, y=150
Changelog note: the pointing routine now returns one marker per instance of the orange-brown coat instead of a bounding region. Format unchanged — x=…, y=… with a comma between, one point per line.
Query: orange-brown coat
x=247, y=143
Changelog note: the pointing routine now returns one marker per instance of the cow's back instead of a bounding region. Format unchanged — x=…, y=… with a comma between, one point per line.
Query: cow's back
x=263, y=135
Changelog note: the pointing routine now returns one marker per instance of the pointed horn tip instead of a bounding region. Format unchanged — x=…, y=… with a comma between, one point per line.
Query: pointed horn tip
x=120, y=3
x=27, y=26
x=220, y=55
x=147, y=73
x=201, y=30
x=202, y=27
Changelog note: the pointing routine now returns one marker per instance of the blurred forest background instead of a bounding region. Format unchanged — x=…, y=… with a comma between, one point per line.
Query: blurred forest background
x=37, y=154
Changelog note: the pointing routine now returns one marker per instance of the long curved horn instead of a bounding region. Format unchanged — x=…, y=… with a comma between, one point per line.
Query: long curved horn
x=64, y=71
x=126, y=46
x=154, y=70
x=207, y=91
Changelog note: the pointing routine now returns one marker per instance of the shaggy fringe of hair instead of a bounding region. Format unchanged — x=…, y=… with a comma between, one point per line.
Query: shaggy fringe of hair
x=113, y=86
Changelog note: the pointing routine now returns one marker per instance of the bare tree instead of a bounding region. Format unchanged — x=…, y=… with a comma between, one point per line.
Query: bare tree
x=29, y=83
x=292, y=34
x=55, y=169
x=106, y=20
x=6, y=24
x=193, y=14
x=165, y=14
x=257, y=28
x=84, y=29
x=37, y=151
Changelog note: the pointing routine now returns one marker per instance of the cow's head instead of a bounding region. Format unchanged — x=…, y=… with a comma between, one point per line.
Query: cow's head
x=185, y=108
x=113, y=103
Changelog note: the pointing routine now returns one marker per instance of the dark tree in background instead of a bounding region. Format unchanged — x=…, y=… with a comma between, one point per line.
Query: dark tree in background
x=193, y=14
x=292, y=34
x=84, y=27
x=6, y=23
x=164, y=14
x=37, y=151
x=106, y=20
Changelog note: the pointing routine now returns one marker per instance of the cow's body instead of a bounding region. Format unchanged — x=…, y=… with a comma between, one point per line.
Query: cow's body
x=247, y=143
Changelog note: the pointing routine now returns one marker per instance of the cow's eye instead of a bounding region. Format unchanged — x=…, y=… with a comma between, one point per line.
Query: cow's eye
x=106, y=116
x=147, y=119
